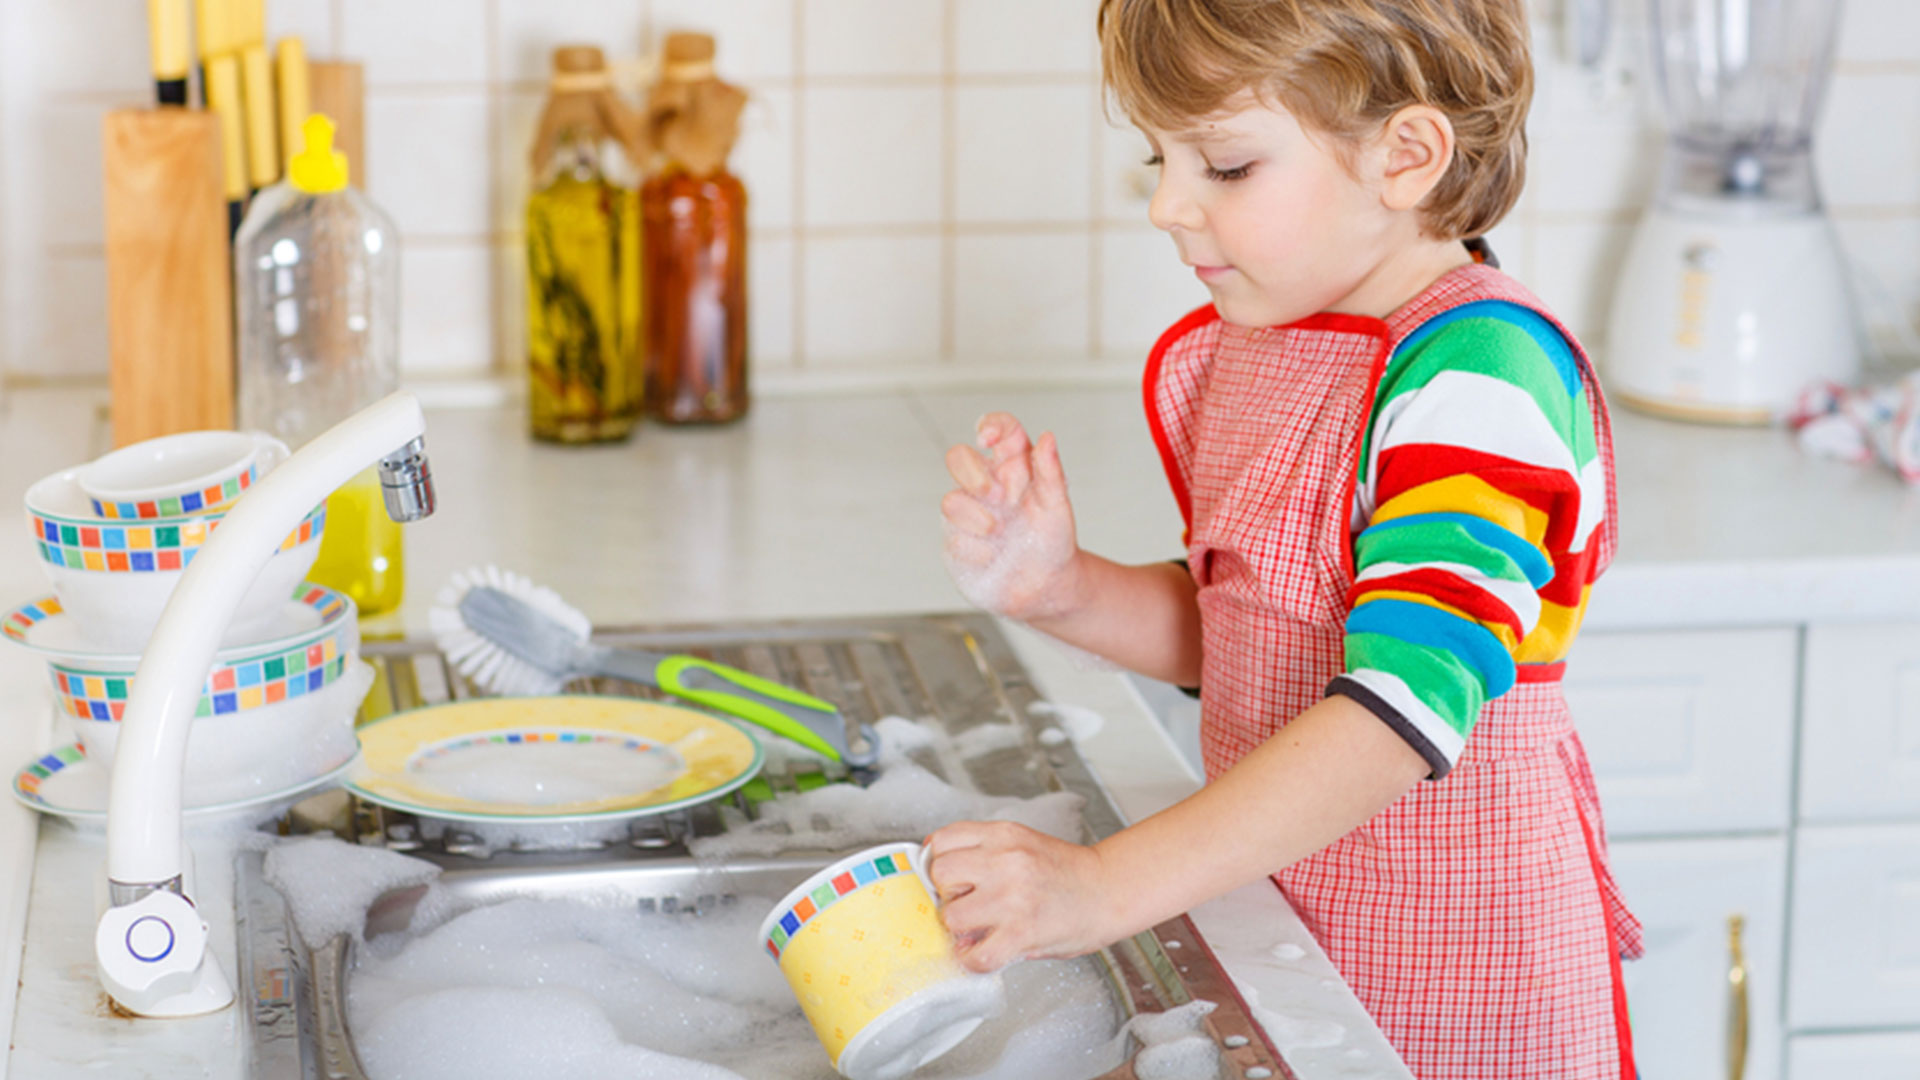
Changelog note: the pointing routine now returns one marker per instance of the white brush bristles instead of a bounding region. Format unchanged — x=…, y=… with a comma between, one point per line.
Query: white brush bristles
x=486, y=665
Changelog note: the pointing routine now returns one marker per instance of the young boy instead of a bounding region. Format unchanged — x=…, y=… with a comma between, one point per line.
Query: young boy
x=1396, y=473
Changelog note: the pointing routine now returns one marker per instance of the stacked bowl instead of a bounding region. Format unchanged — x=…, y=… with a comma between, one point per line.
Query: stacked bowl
x=114, y=537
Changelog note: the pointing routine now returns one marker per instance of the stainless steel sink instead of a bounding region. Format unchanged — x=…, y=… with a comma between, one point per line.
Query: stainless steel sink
x=957, y=670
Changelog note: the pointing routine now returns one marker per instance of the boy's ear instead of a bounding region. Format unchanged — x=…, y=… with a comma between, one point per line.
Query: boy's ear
x=1415, y=149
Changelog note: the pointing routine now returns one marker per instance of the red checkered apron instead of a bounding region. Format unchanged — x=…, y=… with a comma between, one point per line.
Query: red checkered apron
x=1475, y=917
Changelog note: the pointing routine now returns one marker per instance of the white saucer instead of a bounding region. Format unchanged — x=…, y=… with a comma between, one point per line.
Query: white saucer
x=64, y=783
x=42, y=627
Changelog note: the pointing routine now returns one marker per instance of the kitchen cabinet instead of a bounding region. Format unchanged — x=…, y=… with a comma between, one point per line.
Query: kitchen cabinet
x=1860, y=757
x=1853, y=1057
x=1760, y=772
x=1856, y=927
x=1688, y=732
x=1679, y=995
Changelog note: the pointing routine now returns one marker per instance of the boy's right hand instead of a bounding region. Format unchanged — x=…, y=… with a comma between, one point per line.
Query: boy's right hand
x=1010, y=538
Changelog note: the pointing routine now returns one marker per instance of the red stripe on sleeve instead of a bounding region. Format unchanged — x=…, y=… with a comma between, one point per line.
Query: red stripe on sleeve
x=1448, y=589
x=1551, y=491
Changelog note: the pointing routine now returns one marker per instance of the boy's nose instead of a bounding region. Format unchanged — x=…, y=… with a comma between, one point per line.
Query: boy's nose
x=1170, y=208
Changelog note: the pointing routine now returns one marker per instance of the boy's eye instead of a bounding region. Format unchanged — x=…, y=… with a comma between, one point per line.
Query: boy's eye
x=1238, y=172
x=1153, y=162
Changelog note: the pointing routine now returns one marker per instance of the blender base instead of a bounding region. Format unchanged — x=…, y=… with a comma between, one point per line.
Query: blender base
x=1724, y=317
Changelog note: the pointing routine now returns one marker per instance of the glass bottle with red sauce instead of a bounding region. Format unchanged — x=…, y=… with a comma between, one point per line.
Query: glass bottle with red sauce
x=694, y=224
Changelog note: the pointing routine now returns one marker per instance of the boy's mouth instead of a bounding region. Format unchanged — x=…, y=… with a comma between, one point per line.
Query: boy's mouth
x=1211, y=274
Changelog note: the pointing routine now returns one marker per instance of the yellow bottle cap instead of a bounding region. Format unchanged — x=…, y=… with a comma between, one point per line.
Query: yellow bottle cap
x=318, y=168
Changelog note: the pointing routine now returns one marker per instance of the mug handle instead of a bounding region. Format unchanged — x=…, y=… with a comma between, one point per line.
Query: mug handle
x=917, y=859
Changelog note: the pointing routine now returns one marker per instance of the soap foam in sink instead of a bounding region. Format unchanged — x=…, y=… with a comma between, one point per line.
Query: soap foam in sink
x=330, y=884
x=553, y=988
x=906, y=803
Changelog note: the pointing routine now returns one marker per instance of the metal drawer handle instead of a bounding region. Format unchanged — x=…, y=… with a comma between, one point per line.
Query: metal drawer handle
x=1737, y=1000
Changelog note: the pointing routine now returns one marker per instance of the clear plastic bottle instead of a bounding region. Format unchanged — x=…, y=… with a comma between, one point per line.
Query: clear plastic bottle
x=317, y=294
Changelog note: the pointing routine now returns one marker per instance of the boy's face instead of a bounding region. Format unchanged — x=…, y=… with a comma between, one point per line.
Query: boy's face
x=1269, y=218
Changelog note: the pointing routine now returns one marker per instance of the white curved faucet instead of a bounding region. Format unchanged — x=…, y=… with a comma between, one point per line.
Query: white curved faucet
x=150, y=946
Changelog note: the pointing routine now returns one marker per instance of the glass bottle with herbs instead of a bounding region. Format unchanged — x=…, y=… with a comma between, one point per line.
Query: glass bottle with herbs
x=695, y=235
x=583, y=260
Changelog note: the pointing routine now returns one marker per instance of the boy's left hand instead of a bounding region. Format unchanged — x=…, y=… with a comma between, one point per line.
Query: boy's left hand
x=1011, y=893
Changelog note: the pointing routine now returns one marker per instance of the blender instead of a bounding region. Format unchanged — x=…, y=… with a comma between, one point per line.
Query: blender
x=1734, y=295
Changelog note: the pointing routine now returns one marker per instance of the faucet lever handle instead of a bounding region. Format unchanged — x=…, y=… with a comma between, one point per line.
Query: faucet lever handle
x=152, y=956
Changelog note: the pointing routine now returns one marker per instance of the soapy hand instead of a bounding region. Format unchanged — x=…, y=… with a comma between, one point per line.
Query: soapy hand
x=1011, y=893
x=1010, y=537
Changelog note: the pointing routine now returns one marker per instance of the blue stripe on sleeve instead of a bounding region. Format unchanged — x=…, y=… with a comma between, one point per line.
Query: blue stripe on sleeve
x=1544, y=334
x=1528, y=558
x=1431, y=628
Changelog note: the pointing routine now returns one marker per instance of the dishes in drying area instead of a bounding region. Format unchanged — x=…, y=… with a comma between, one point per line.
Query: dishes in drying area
x=274, y=711
x=114, y=577
x=64, y=782
x=551, y=759
x=191, y=472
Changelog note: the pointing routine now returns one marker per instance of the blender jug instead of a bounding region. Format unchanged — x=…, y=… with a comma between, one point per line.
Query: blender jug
x=1741, y=81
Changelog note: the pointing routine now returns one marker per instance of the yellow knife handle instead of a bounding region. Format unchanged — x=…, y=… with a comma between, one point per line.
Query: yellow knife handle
x=296, y=96
x=256, y=89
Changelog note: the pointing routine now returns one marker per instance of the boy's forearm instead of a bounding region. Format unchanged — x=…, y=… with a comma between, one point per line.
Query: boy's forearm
x=1144, y=618
x=1326, y=773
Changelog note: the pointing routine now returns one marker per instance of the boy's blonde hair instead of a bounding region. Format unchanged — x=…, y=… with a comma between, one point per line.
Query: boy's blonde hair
x=1342, y=67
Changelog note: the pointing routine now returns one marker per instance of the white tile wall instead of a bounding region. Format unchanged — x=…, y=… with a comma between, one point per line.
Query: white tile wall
x=1021, y=295
x=874, y=156
x=871, y=300
x=932, y=181
x=1023, y=153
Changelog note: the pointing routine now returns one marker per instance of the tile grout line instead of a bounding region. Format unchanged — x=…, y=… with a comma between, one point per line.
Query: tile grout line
x=1096, y=214
x=949, y=197
x=498, y=362
x=797, y=259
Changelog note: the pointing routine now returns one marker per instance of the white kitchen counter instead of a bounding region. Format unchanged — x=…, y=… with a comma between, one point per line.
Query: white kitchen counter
x=824, y=506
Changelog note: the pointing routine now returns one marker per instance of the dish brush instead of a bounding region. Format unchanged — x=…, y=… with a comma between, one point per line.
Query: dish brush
x=512, y=637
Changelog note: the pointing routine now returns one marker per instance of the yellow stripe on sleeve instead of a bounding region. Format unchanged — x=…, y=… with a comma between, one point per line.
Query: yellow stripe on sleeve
x=1468, y=494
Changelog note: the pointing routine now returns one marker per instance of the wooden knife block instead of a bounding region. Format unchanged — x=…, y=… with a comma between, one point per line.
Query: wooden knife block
x=169, y=279
x=339, y=91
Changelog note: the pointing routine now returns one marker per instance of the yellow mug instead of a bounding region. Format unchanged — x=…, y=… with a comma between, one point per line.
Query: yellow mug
x=862, y=945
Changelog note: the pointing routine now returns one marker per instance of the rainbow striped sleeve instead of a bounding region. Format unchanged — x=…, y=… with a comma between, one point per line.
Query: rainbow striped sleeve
x=1481, y=492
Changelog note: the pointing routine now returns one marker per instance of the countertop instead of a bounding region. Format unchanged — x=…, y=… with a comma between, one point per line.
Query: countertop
x=828, y=506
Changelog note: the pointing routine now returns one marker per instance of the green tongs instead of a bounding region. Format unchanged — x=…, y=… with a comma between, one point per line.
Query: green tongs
x=526, y=632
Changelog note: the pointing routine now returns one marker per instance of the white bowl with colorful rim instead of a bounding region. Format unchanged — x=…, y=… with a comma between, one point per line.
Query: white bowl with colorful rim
x=114, y=577
x=191, y=472
x=273, y=711
x=551, y=760
x=65, y=783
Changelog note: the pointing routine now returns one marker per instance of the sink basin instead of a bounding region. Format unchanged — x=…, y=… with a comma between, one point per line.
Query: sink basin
x=956, y=670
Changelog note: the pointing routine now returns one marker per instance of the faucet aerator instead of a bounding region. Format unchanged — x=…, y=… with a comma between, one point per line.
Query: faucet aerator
x=407, y=482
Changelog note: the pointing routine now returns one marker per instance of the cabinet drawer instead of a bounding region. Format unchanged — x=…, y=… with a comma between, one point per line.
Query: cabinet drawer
x=1853, y=1057
x=1860, y=746
x=1684, y=892
x=1855, y=940
x=1688, y=732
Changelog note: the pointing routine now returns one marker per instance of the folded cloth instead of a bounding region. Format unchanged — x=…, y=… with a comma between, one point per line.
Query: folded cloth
x=1862, y=424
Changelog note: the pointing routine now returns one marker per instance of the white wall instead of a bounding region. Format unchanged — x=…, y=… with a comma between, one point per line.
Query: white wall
x=936, y=193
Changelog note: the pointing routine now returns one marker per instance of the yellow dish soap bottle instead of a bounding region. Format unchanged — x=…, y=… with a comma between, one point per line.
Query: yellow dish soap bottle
x=583, y=261
x=317, y=295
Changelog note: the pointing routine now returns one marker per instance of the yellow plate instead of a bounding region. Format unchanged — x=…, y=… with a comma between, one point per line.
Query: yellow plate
x=551, y=759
